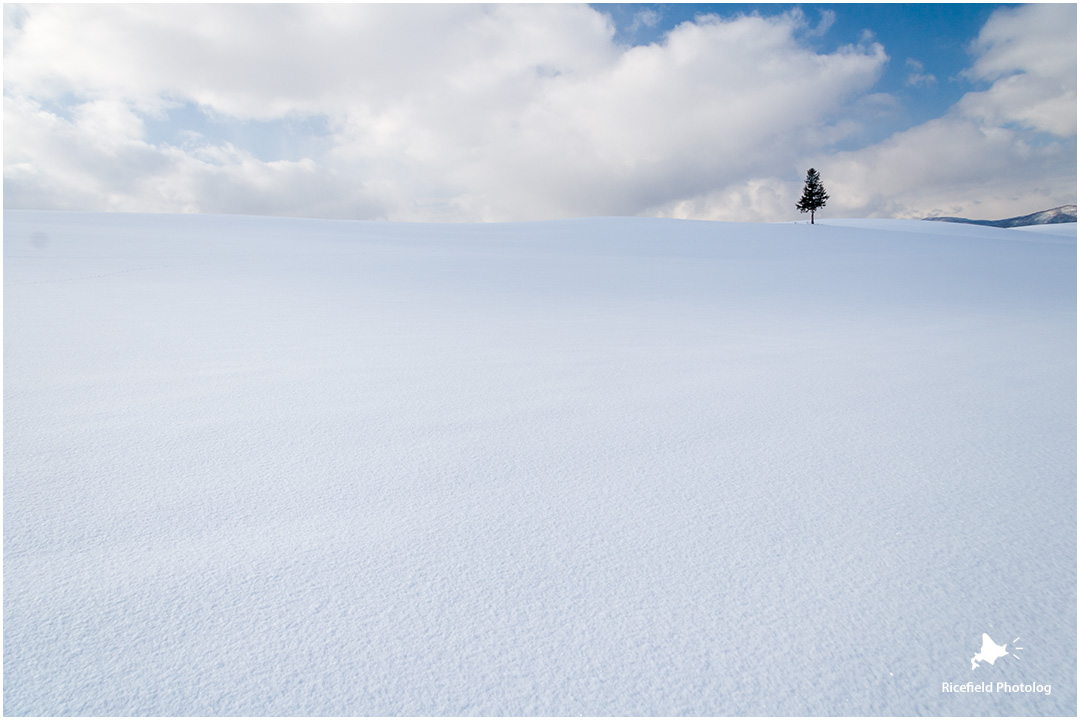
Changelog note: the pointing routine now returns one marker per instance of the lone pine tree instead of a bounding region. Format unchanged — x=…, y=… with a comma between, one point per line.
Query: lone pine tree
x=813, y=196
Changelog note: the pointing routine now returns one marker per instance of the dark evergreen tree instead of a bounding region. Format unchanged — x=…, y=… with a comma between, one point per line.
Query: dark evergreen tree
x=813, y=196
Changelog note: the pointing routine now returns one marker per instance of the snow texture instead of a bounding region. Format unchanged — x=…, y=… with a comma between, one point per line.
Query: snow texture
x=603, y=466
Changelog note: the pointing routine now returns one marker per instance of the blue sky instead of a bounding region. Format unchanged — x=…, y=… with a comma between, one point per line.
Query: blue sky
x=521, y=112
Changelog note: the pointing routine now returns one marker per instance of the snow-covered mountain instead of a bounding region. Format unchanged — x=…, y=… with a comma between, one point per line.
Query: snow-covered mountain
x=259, y=466
x=1063, y=214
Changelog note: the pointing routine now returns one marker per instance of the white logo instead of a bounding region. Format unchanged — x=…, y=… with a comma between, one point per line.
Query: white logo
x=991, y=651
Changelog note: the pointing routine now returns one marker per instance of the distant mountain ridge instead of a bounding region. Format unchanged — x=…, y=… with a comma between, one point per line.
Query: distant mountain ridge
x=1063, y=214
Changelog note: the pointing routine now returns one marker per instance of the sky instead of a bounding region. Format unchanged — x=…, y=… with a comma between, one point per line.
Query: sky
x=512, y=112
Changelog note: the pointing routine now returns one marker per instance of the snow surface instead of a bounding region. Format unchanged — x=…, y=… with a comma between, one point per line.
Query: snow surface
x=603, y=466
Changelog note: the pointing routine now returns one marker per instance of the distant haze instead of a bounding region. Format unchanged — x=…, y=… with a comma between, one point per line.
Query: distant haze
x=1053, y=216
x=522, y=112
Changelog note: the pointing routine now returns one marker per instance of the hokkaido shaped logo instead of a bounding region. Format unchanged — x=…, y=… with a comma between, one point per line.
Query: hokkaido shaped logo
x=991, y=651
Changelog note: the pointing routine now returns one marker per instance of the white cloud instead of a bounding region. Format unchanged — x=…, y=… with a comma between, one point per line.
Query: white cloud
x=742, y=201
x=950, y=166
x=1039, y=39
x=916, y=77
x=465, y=112
x=828, y=19
x=990, y=156
x=98, y=160
x=704, y=108
x=472, y=112
x=645, y=18
x=1029, y=53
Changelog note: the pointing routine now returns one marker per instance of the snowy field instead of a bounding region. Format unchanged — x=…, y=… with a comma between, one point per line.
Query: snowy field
x=605, y=467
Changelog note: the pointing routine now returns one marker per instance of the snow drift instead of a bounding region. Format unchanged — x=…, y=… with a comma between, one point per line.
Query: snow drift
x=602, y=467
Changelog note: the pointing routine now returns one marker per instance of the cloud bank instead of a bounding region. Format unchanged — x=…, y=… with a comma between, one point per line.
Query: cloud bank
x=513, y=112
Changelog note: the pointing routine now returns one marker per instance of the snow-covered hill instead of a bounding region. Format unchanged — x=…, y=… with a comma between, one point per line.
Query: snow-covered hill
x=1065, y=214
x=609, y=467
